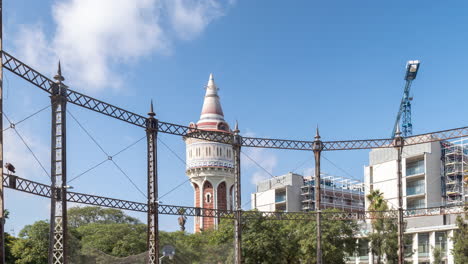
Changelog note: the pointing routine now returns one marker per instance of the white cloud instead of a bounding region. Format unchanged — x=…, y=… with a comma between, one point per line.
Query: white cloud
x=17, y=154
x=259, y=157
x=190, y=17
x=92, y=38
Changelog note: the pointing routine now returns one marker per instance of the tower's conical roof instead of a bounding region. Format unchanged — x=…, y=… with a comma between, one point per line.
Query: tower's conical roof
x=212, y=116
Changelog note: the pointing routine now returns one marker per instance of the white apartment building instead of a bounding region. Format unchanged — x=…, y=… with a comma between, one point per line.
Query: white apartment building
x=281, y=193
x=293, y=193
x=433, y=175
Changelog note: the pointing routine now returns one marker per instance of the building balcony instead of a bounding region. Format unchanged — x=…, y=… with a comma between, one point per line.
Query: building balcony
x=415, y=176
x=415, y=191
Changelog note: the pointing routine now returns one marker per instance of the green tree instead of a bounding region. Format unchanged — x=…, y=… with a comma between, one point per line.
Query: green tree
x=32, y=245
x=9, y=243
x=117, y=240
x=384, y=236
x=460, y=239
x=78, y=216
x=437, y=254
x=338, y=239
x=107, y=230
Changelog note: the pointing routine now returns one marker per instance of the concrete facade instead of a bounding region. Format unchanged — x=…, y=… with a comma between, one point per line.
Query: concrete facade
x=282, y=193
x=293, y=193
x=423, y=186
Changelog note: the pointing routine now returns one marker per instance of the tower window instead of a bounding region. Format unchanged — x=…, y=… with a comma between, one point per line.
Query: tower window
x=208, y=198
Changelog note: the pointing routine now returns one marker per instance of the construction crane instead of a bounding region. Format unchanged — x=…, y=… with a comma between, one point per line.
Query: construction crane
x=412, y=68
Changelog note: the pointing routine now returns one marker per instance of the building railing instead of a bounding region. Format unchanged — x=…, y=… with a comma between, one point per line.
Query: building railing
x=415, y=190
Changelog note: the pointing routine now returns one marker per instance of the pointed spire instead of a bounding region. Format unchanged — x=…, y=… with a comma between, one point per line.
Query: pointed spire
x=151, y=112
x=211, y=111
x=317, y=134
x=59, y=76
x=211, y=80
x=397, y=131
x=236, y=128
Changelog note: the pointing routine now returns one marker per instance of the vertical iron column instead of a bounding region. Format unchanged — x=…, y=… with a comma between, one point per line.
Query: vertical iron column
x=153, y=203
x=58, y=222
x=398, y=143
x=237, y=140
x=2, y=203
x=317, y=148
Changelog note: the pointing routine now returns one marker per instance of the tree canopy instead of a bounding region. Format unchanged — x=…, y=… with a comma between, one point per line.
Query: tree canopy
x=99, y=235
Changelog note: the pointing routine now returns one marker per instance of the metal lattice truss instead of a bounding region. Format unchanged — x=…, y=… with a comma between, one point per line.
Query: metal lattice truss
x=29, y=74
x=40, y=189
x=437, y=136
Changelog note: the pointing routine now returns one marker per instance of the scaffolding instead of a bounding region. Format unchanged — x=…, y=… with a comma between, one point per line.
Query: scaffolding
x=455, y=170
x=337, y=192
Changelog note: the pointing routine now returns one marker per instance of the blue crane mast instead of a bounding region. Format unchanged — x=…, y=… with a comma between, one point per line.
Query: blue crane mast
x=404, y=112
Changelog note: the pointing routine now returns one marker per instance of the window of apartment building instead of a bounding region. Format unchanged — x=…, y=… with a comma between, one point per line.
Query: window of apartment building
x=415, y=187
x=363, y=250
x=415, y=167
x=441, y=242
x=408, y=245
x=416, y=203
x=423, y=245
x=280, y=197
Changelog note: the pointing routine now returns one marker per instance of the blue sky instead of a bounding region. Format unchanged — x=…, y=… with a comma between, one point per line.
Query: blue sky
x=282, y=68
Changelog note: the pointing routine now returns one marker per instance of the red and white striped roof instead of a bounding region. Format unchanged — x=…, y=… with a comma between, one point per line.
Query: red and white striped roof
x=212, y=116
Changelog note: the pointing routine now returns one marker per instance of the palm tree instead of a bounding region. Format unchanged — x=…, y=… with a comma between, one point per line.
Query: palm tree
x=377, y=203
x=378, y=236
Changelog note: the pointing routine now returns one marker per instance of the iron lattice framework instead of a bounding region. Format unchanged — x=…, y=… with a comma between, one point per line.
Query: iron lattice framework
x=29, y=74
x=60, y=95
x=153, y=227
x=40, y=189
x=58, y=223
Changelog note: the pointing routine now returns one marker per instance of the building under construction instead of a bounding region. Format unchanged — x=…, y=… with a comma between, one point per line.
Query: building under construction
x=337, y=192
x=455, y=171
x=293, y=192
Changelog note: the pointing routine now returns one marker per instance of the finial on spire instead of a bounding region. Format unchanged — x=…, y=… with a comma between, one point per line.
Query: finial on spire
x=236, y=128
x=151, y=112
x=59, y=76
x=317, y=134
x=397, y=131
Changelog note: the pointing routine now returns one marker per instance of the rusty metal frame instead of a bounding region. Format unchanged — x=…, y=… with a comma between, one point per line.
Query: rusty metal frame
x=41, y=81
x=60, y=95
x=20, y=184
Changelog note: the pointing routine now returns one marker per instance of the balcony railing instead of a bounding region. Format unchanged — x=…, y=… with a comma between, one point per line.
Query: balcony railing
x=414, y=168
x=415, y=190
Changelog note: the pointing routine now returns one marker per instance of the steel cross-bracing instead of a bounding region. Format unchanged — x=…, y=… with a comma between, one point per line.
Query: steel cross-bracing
x=2, y=201
x=20, y=184
x=29, y=74
x=236, y=147
x=317, y=148
x=153, y=221
x=399, y=143
x=58, y=224
x=60, y=95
